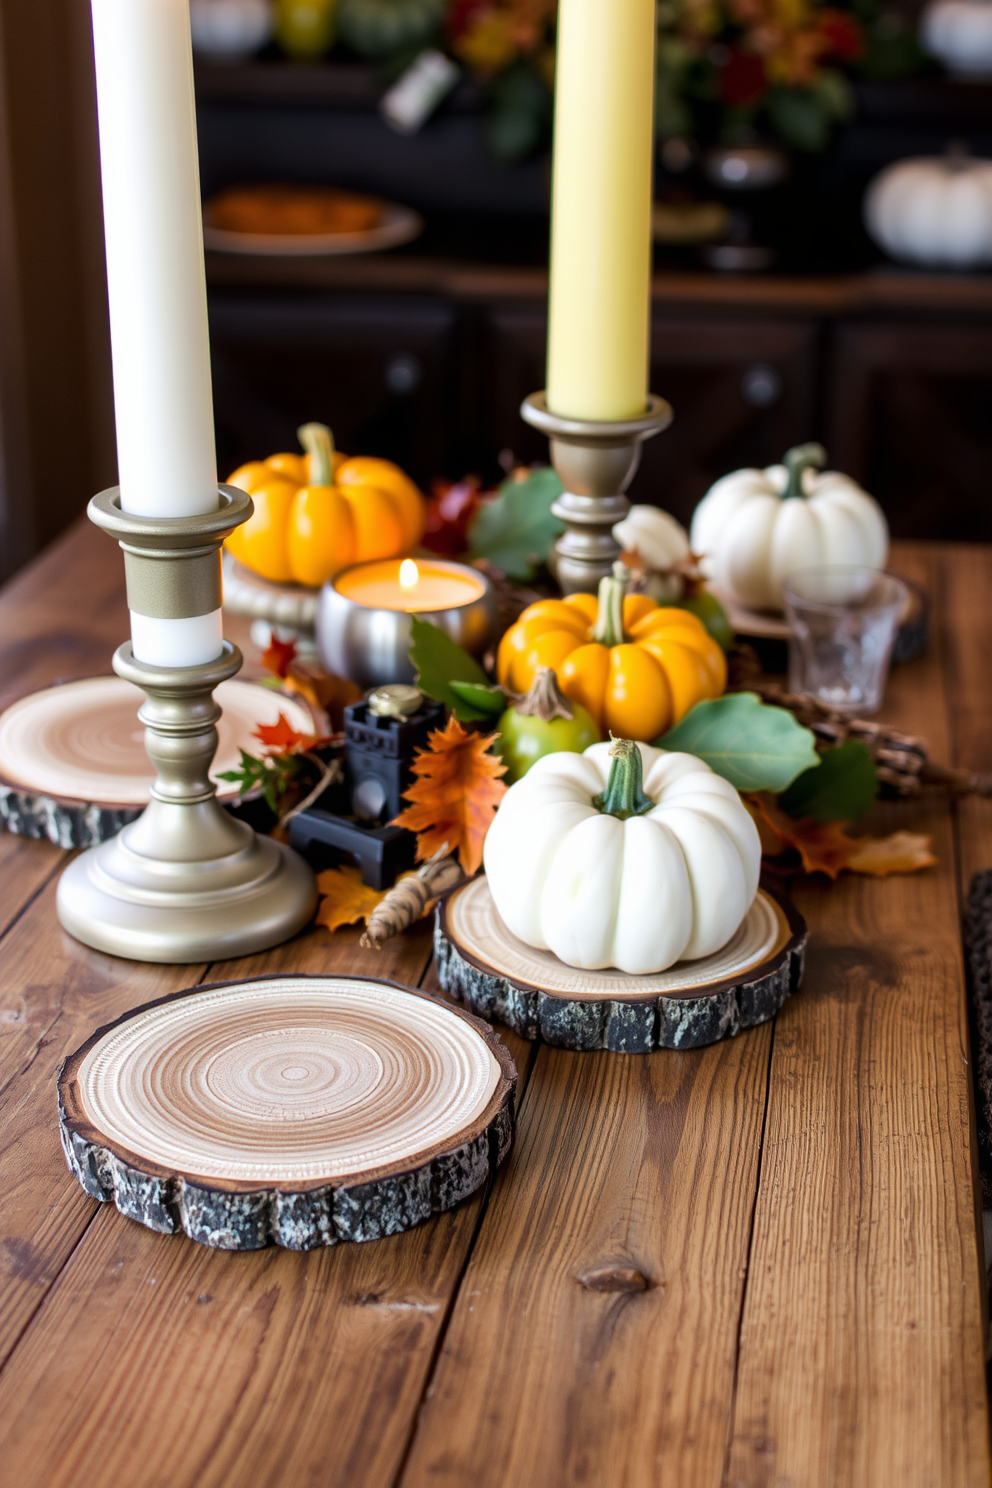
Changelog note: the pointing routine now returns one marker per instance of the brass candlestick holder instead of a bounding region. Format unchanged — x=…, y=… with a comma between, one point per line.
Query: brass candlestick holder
x=596, y=462
x=186, y=881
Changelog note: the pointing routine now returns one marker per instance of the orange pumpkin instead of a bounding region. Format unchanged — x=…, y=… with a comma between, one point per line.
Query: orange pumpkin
x=317, y=513
x=637, y=667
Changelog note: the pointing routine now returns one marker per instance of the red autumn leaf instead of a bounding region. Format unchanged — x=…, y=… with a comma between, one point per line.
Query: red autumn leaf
x=449, y=510
x=455, y=795
x=282, y=738
x=278, y=656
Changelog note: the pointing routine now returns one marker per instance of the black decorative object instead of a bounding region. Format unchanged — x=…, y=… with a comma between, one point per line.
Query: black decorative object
x=380, y=746
x=351, y=820
x=325, y=834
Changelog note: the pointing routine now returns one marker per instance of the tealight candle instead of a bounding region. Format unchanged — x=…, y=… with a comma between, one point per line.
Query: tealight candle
x=364, y=617
x=418, y=588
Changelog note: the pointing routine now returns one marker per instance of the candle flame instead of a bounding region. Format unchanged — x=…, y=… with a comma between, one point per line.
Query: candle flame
x=409, y=574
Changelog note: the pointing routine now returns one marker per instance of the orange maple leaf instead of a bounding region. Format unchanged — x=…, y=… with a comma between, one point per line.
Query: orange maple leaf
x=456, y=795
x=283, y=738
x=278, y=656
x=825, y=847
x=344, y=898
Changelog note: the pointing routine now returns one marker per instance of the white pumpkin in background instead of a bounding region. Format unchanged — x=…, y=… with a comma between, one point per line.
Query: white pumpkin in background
x=656, y=537
x=229, y=30
x=623, y=856
x=959, y=34
x=934, y=212
x=755, y=527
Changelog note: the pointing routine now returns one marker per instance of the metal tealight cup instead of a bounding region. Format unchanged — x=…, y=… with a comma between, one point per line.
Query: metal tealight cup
x=371, y=647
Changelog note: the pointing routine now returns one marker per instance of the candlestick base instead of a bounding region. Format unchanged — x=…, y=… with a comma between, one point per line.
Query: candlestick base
x=596, y=462
x=186, y=882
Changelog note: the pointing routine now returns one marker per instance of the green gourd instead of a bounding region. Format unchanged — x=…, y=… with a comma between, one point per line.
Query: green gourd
x=382, y=28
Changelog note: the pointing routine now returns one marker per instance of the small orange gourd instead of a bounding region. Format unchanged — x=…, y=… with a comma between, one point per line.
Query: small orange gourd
x=319, y=512
x=636, y=666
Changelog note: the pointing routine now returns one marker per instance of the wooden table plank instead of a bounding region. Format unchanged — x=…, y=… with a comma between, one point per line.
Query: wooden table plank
x=25, y=868
x=862, y=1358
x=283, y=1368
x=626, y=1163
x=54, y=993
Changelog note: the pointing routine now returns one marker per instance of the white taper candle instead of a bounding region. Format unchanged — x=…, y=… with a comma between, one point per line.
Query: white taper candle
x=157, y=286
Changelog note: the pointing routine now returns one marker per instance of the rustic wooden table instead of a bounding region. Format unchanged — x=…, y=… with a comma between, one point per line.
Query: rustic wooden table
x=801, y=1199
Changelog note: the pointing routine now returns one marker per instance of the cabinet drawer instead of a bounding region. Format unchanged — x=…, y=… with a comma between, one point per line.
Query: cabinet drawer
x=379, y=371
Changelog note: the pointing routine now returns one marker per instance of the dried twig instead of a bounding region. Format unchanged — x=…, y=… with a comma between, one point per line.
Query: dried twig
x=407, y=900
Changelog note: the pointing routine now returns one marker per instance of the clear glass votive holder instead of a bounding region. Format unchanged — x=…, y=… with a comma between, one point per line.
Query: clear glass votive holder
x=842, y=625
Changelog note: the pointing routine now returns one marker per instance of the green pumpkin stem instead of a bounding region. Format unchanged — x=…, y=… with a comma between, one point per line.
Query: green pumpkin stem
x=624, y=794
x=318, y=441
x=798, y=460
x=608, y=630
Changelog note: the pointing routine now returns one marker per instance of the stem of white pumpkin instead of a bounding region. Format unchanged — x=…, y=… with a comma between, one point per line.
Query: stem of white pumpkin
x=624, y=794
x=798, y=460
x=608, y=630
x=318, y=441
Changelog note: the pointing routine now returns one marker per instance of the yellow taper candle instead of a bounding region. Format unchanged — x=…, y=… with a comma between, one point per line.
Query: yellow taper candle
x=599, y=312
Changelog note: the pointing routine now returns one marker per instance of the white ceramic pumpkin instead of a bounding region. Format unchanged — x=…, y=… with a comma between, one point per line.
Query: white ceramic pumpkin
x=936, y=213
x=658, y=539
x=959, y=34
x=623, y=856
x=229, y=30
x=755, y=527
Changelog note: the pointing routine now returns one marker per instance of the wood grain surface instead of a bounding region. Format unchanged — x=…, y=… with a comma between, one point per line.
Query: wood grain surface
x=863, y=1304
x=755, y=1263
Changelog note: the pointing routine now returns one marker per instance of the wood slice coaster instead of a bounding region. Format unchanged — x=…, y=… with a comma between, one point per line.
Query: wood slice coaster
x=294, y=1110
x=73, y=766
x=692, y=1003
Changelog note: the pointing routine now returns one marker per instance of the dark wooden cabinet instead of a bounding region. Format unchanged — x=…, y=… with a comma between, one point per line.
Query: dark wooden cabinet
x=427, y=361
x=382, y=372
x=742, y=390
x=910, y=415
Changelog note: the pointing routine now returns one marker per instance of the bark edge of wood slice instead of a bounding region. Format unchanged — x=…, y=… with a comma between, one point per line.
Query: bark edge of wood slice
x=693, y=1004
x=87, y=718
x=329, y=1205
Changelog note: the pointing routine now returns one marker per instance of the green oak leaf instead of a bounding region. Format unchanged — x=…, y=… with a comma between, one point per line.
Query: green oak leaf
x=841, y=787
x=490, y=701
x=439, y=661
x=516, y=530
x=754, y=746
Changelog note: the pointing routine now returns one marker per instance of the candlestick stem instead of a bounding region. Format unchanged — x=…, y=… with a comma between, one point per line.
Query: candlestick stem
x=596, y=461
x=186, y=882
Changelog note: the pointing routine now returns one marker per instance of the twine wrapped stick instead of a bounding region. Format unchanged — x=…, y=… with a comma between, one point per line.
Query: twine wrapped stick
x=407, y=900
